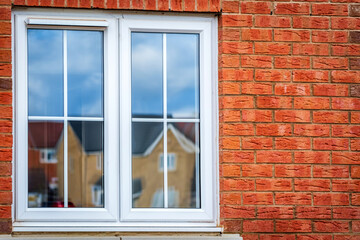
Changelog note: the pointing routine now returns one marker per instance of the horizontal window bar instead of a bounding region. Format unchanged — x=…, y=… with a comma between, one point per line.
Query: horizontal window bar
x=162, y=120
x=45, y=118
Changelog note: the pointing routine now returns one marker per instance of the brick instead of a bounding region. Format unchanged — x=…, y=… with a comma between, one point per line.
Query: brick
x=292, y=171
x=237, y=129
x=354, y=37
x=273, y=129
x=345, y=50
x=273, y=157
x=312, y=130
x=354, y=63
x=256, y=61
x=256, y=115
x=230, y=6
x=345, y=131
x=175, y=5
x=237, y=47
x=313, y=212
x=355, y=144
x=5, y=168
x=310, y=76
x=231, y=184
x=250, y=236
x=215, y=5
x=274, y=102
x=330, y=90
x=273, y=185
x=237, y=74
x=236, y=20
x=256, y=170
x=272, y=21
x=331, y=171
x=329, y=36
x=97, y=4
x=238, y=212
x=256, y=7
x=312, y=157
x=292, y=89
x=356, y=226
x=230, y=143
x=233, y=225
x=346, y=185
x=346, y=212
x=354, y=10
x=258, y=226
x=272, y=48
x=230, y=116
x=310, y=49
x=5, y=183
x=293, y=226
x=345, y=23
x=292, y=8
x=6, y=227
x=6, y=98
x=331, y=144
x=256, y=88
x=331, y=226
x=345, y=76
x=5, y=197
x=237, y=157
x=311, y=22
x=237, y=102
x=292, y=62
x=85, y=4
x=229, y=34
x=330, y=117
x=293, y=198
x=61, y=3
x=6, y=140
x=315, y=236
x=256, y=34
x=275, y=212
x=5, y=41
x=291, y=35
x=331, y=199
x=292, y=143
x=229, y=88
x=256, y=143
x=202, y=5
x=355, y=117
x=292, y=116
x=330, y=63
x=277, y=237
x=355, y=171
x=346, y=103
x=312, y=185
x=355, y=199
x=5, y=68
x=230, y=61
x=230, y=170
x=272, y=75
x=355, y=91
x=330, y=9
x=345, y=158
x=258, y=199
x=5, y=155
x=311, y=103
x=163, y=5
x=189, y=5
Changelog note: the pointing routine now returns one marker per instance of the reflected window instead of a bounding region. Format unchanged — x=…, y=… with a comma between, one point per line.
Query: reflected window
x=65, y=118
x=171, y=162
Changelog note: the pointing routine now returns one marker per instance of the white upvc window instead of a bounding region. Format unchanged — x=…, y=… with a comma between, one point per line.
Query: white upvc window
x=100, y=101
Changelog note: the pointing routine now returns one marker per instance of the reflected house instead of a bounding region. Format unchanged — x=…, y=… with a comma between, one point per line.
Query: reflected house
x=147, y=165
x=85, y=165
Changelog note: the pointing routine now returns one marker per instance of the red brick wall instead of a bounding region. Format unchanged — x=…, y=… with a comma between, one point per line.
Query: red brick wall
x=289, y=99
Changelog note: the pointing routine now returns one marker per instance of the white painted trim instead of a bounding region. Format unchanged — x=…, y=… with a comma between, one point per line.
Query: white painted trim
x=66, y=22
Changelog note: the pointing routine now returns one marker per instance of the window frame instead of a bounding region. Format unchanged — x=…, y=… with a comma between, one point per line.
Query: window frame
x=117, y=215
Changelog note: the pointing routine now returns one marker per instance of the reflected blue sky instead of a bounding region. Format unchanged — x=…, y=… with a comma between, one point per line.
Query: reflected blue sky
x=182, y=75
x=85, y=73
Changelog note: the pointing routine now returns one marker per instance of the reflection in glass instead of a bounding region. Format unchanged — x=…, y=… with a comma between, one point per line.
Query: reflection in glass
x=146, y=75
x=45, y=164
x=183, y=165
x=45, y=72
x=85, y=164
x=183, y=75
x=147, y=178
x=85, y=73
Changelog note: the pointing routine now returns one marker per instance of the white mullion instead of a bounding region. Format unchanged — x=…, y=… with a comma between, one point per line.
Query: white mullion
x=65, y=120
x=165, y=122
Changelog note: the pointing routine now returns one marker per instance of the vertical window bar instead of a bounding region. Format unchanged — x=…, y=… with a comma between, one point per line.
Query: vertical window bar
x=65, y=121
x=165, y=122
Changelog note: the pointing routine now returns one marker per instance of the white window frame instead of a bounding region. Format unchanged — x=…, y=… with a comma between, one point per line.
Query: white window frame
x=118, y=214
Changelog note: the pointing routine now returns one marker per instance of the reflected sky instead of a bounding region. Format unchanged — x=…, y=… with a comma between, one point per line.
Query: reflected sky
x=45, y=72
x=182, y=75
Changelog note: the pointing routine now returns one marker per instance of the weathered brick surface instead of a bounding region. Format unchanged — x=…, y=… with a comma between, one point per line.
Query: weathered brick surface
x=289, y=113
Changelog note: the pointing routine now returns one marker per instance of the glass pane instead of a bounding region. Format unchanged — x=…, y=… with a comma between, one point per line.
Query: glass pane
x=146, y=75
x=147, y=177
x=45, y=72
x=85, y=164
x=85, y=73
x=183, y=75
x=45, y=164
x=183, y=165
